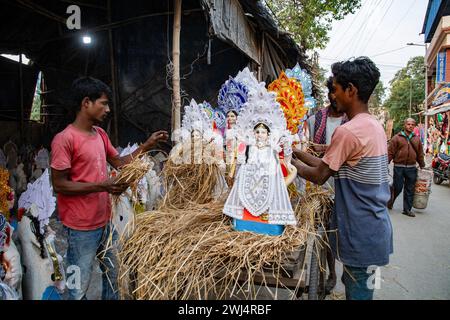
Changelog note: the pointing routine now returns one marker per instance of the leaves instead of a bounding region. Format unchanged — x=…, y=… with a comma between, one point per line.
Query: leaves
x=309, y=21
x=408, y=85
x=376, y=99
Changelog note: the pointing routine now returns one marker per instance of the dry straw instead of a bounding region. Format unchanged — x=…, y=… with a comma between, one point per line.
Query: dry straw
x=193, y=253
x=134, y=171
x=189, y=184
x=130, y=174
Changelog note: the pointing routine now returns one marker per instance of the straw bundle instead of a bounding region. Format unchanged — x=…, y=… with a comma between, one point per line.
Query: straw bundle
x=190, y=184
x=314, y=208
x=134, y=171
x=195, y=254
x=313, y=212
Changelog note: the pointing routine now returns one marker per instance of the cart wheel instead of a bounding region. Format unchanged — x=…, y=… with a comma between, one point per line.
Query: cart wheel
x=437, y=179
x=314, y=275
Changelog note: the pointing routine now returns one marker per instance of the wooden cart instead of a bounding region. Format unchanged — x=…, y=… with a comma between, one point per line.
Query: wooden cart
x=304, y=272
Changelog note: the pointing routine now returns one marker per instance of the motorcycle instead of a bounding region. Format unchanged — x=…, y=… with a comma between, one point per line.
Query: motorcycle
x=441, y=168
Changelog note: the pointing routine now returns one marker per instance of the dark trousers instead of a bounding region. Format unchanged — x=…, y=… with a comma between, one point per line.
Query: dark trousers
x=405, y=177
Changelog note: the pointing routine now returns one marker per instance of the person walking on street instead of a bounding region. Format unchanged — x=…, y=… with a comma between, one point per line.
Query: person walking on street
x=80, y=179
x=406, y=150
x=357, y=158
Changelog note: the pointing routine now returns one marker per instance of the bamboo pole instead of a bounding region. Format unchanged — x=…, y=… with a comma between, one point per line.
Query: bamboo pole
x=114, y=83
x=22, y=136
x=176, y=99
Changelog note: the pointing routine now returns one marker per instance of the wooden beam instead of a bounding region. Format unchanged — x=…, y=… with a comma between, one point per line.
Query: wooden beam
x=83, y=4
x=42, y=11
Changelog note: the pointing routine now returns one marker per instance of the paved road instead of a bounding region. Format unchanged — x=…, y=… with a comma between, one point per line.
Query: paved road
x=420, y=265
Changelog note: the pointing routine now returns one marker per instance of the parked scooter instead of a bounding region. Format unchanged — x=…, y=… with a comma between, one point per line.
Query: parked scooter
x=441, y=168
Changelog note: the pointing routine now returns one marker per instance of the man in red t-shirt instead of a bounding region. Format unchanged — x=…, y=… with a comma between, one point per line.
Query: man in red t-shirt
x=79, y=176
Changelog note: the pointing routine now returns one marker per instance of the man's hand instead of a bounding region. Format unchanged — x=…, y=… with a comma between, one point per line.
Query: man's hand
x=320, y=148
x=295, y=162
x=111, y=186
x=155, y=138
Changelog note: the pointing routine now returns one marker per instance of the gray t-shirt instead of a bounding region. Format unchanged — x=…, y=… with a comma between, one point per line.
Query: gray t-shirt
x=332, y=124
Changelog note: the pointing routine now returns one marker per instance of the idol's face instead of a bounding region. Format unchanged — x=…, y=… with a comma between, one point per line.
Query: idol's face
x=261, y=134
x=231, y=118
x=196, y=135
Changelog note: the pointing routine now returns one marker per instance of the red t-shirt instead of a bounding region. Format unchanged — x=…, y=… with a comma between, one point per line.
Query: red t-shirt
x=85, y=156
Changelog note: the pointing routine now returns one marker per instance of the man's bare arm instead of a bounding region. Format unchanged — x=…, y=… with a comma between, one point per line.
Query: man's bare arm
x=318, y=174
x=118, y=161
x=63, y=185
x=307, y=158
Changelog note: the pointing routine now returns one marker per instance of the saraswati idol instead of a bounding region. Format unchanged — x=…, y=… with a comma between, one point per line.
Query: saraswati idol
x=259, y=200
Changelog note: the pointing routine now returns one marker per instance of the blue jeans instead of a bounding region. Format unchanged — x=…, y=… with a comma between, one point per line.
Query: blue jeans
x=84, y=247
x=355, y=281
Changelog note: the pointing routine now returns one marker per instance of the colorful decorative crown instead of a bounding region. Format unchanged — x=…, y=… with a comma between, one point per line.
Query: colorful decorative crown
x=218, y=117
x=196, y=118
x=247, y=78
x=232, y=96
x=290, y=97
x=262, y=107
x=301, y=75
x=5, y=191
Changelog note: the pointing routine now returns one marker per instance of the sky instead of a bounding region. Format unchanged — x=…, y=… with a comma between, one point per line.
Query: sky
x=380, y=29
